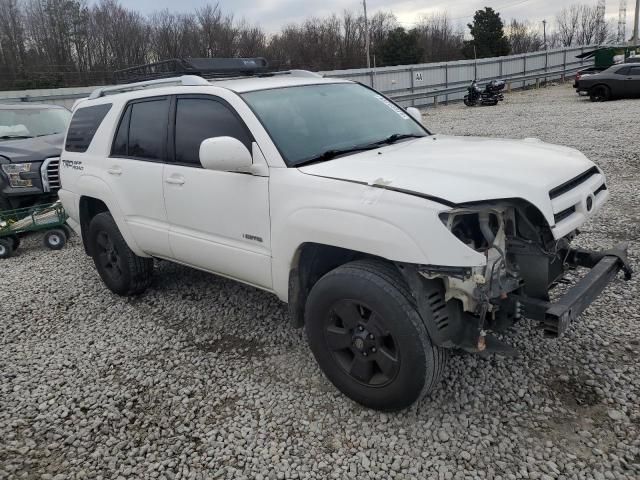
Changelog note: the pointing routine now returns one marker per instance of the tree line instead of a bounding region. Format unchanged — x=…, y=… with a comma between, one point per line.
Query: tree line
x=51, y=43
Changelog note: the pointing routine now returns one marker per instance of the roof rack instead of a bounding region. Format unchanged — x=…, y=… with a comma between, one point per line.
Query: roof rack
x=186, y=80
x=203, y=67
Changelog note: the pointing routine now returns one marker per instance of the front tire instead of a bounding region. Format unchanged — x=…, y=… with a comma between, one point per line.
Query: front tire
x=468, y=101
x=368, y=337
x=122, y=271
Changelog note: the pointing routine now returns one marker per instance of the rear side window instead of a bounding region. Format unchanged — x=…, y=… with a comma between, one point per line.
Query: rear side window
x=142, y=131
x=83, y=127
x=198, y=119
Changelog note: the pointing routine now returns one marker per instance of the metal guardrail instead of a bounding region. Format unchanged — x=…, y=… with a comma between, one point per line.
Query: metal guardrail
x=462, y=86
x=408, y=84
x=448, y=89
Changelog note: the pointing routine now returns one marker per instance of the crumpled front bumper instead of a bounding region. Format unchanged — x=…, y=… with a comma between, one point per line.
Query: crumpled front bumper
x=556, y=317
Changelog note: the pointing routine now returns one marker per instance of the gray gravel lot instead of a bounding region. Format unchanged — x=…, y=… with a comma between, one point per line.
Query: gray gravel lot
x=204, y=378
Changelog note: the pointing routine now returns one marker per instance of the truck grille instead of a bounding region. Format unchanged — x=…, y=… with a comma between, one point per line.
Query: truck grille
x=573, y=183
x=51, y=174
x=574, y=201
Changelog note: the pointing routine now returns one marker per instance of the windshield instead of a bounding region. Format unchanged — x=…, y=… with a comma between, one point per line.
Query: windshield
x=308, y=121
x=32, y=122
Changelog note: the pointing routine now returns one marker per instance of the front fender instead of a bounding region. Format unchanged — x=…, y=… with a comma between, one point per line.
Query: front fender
x=374, y=221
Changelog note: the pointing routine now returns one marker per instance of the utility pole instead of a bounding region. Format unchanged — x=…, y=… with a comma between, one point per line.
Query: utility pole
x=636, y=40
x=622, y=23
x=366, y=34
x=544, y=29
x=601, y=28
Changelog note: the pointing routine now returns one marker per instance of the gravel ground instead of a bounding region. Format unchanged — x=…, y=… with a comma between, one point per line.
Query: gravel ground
x=204, y=378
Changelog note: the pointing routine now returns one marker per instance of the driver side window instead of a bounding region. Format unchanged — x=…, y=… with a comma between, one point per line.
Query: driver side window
x=198, y=119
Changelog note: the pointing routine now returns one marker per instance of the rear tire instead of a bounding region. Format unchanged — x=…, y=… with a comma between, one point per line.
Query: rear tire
x=6, y=248
x=600, y=93
x=368, y=337
x=122, y=271
x=55, y=239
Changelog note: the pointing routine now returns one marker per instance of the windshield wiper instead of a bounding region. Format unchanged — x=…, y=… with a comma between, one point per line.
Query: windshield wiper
x=396, y=137
x=334, y=152
x=11, y=137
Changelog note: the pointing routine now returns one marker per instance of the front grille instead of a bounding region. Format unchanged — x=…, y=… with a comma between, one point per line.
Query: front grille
x=573, y=183
x=51, y=174
x=558, y=217
x=601, y=188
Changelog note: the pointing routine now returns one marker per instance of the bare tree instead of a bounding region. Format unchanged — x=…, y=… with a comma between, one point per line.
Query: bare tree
x=523, y=38
x=79, y=42
x=12, y=40
x=568, y=22
x=588, y=26
x=438, y=39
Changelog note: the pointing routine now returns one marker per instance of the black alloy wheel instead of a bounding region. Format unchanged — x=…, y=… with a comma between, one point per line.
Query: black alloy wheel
x=108, y=257
x=361, y=345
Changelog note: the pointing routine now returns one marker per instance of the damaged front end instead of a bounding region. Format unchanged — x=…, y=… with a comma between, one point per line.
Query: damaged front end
x=524, y=262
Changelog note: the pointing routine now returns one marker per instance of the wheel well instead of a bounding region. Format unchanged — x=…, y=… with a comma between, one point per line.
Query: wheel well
x=89, y=208
x=311, y=262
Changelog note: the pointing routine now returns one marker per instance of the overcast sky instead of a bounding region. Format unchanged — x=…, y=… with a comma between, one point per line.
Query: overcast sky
x=272, y=14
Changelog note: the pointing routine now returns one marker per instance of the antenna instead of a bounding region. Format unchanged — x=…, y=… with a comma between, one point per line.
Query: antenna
x=622, y=22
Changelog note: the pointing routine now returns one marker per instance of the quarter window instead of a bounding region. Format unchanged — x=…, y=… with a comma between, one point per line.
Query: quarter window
x=83, y=127
x=198, y=119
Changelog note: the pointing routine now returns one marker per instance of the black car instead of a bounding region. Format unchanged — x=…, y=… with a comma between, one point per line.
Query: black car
x=31, y=139
x=586, y=71
x=619, y=81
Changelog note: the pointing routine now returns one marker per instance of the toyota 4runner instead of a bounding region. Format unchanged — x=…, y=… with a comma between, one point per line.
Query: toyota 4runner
x=391, y=245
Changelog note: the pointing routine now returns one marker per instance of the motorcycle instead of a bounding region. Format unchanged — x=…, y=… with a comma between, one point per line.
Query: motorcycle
x=490, y=96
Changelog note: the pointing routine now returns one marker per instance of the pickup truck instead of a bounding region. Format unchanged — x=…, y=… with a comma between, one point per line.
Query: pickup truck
x=31, y=137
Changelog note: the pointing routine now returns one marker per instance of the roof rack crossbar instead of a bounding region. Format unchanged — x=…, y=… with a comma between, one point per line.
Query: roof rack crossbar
x=204, y=67
x=296, y=73
x=185, y=80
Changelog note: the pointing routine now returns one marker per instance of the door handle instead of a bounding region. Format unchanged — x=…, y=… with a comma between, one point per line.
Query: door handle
x=115, y=171
x=175, y=180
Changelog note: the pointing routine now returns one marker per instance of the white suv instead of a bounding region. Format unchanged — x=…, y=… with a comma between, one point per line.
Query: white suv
x=390, y=244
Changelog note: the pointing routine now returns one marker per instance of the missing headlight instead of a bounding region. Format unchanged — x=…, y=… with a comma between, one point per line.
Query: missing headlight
x=476, y=229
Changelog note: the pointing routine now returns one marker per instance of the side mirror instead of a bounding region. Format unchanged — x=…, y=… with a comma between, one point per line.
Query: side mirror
x=415, y=114
x=225, y=154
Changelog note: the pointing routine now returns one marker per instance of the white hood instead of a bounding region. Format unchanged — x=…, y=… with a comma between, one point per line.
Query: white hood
x=464, y=169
